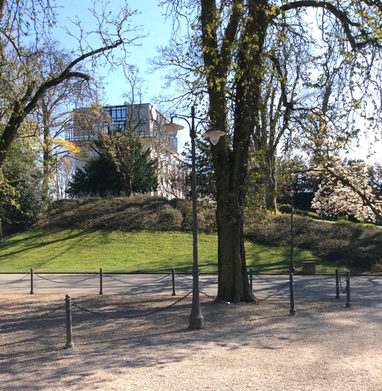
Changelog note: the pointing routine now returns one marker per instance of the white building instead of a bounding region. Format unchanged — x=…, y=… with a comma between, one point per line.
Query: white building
x=145, y=121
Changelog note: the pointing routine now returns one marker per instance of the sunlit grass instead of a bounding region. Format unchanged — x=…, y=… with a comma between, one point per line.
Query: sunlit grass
x=65, y=250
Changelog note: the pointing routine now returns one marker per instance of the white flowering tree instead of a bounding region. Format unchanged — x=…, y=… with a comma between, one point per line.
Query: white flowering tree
x=345, y=190
x=222, y=59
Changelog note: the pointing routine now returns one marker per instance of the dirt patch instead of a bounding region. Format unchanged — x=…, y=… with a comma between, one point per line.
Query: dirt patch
x=130, y=343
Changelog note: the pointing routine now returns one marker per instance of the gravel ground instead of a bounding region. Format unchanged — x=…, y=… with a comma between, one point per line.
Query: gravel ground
x=325, y=346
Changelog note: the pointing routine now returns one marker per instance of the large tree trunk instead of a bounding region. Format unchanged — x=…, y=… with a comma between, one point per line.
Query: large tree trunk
x=230, y=163
x=233, y=284
x=230, y=158
x=270, y=182
x=231, y=171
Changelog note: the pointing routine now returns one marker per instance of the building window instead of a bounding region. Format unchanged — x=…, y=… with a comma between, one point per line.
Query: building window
x=117, y=116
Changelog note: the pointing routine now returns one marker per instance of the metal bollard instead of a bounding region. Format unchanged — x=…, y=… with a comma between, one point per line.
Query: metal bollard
x=337, y=285
x=292, y=311
x=251, y=278
x=68, y=311
x=348, y=289
x=173, y=281
x=100, y=281
x=31, y=292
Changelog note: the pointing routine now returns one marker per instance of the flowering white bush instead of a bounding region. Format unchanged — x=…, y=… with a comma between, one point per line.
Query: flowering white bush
x=345, y=191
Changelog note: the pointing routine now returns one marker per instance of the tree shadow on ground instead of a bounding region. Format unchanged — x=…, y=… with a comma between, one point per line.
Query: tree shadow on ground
x=118, y=333
x=76, y=235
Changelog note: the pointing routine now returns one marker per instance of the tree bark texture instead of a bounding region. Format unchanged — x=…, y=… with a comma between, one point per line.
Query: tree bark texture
x=230, y=159
x=270, y=182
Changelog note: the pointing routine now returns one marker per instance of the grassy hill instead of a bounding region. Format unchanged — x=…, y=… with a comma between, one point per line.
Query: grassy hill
x=147, y=234
x=79, y=250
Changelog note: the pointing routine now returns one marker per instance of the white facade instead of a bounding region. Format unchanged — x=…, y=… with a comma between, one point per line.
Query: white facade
x=145, y=120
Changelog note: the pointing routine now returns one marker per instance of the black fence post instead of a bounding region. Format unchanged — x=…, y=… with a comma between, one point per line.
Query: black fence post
x=68, y=311
x=292, y=311
x=100, y=281
x=348, y=289
x=251, y=278
x=337, y=285
x=31, y=292
x=173, y=281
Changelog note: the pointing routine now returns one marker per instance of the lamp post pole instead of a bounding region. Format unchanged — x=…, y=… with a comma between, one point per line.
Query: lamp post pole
x=196, y=320
x=292, y=310
x=291, y=233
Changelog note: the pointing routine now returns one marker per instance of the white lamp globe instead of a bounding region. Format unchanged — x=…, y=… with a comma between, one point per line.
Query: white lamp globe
x=214, y=135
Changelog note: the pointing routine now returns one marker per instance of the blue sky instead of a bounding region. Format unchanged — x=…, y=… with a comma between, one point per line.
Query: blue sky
x=157, y=30
x=154, y=26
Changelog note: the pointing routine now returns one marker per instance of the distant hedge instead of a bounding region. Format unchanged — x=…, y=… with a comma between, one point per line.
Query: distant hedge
x=357, y=247
x=132, y=214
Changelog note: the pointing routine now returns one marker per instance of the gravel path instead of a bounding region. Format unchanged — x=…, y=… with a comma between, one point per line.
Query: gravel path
x=325, y=346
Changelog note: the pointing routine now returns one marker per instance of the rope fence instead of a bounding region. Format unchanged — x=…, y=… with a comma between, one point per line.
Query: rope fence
x=64, y=282
x=303, y=288
x=278, y=290
x=14, y=281
x=340, y=288
x=132, y=284
x=33, y=276
x=70, y=305
x=74, y=307
x=44, y=316
x=339, y=284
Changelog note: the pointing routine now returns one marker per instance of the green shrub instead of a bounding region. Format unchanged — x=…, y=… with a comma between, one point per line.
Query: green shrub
x=284, y=208
x=350, y=245
x=185, y=207
x=207, y=217
x=131, y=214
x=168, y=219
x=308, y=213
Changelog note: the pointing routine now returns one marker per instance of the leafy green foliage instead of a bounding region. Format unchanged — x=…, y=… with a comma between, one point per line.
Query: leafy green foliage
x=107, y=174
x=205, y=184
x=295, y=172
x=128, y=213
x=351, y=245
x=20, y=198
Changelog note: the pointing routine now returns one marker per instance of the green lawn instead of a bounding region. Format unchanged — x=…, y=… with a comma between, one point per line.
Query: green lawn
x=65, y=250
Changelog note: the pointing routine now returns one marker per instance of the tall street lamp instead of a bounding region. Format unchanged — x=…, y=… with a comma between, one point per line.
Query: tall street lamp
x=196, y=320
x=292, y=310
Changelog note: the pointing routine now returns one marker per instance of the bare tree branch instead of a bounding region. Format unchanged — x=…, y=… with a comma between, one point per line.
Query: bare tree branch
x=342, y=16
